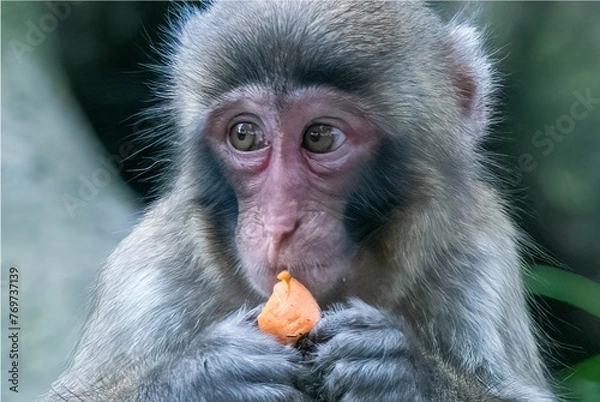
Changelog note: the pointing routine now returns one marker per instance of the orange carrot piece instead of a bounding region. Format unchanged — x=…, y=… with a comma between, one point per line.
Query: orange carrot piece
x=290, y=312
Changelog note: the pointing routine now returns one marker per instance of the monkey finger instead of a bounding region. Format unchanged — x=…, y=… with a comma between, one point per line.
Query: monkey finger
x=353, y=315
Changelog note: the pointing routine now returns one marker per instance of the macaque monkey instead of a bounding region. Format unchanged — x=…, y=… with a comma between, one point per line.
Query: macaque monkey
x=338, y=140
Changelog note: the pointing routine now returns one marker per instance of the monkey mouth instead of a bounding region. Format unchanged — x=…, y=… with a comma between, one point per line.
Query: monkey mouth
x=296, y=269
x=317, y=277
x=299, y=270
x=318, y=264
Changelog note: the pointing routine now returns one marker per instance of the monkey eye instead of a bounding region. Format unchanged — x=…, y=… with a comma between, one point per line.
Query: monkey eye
x=322, y=138
x=246, y=137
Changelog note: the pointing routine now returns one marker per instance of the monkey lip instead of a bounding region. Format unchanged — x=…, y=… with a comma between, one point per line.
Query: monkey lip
x=318, y=278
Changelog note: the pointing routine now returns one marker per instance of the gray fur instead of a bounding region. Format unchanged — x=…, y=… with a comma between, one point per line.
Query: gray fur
x=439, y=313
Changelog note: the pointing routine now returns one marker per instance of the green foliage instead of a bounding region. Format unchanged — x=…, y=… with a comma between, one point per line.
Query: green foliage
x=566, y=287
x=582, y=382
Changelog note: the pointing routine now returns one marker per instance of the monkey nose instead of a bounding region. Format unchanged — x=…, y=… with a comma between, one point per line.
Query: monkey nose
x=277, y=234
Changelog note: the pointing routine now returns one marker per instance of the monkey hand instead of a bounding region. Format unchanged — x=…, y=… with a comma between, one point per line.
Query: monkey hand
x=361, y=354
x=234, y=362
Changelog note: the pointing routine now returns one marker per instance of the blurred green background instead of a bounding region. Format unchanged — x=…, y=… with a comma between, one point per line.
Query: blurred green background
x=74, y=77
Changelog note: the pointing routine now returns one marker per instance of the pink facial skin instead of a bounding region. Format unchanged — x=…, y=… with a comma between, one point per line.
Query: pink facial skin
x=291, y=200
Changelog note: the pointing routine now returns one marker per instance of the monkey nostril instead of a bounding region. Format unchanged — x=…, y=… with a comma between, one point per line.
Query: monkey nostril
x=281, y=225
x=279, y=232
x=277, y=236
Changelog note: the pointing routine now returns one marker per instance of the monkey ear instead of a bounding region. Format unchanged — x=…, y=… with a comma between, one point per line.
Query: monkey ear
x=472, y=75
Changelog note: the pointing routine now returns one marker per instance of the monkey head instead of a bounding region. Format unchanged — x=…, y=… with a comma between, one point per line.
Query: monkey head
x=309, y=137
